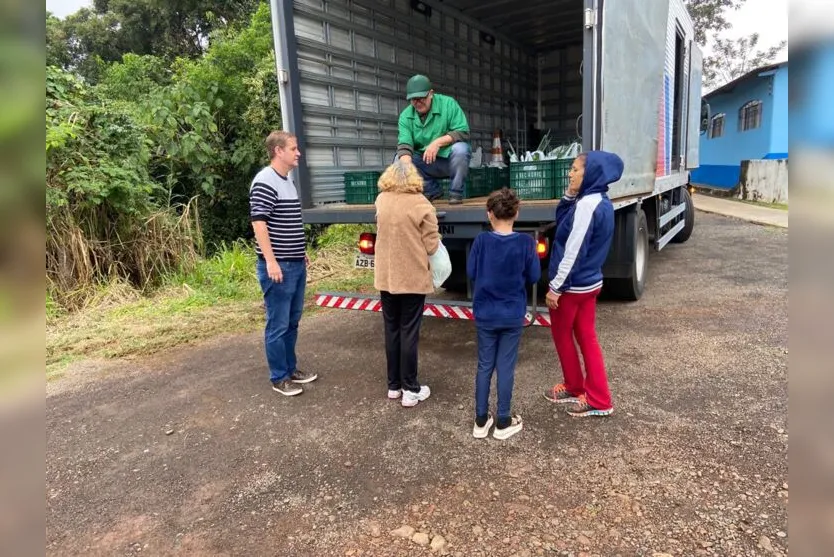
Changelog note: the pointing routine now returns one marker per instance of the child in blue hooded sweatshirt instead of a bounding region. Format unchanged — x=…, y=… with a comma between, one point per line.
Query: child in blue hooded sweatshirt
x=584, y=231
x=501, y=263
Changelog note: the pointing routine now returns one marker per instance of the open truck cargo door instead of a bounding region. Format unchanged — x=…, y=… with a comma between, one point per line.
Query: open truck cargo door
x=635, y=89
x=694, y=119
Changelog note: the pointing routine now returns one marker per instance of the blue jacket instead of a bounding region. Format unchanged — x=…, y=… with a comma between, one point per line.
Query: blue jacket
x=585, y=228
x=501, y=267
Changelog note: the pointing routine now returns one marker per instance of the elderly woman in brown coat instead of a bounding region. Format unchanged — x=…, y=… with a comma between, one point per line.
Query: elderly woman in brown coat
x=407, y=234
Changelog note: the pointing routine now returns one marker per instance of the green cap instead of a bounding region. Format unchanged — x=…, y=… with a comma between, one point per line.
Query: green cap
x=417, y=87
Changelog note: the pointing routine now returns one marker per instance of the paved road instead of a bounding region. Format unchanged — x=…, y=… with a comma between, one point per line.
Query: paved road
x=694, y=462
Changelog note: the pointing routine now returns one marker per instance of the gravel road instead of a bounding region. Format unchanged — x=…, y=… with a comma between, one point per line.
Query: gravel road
x=191, y=452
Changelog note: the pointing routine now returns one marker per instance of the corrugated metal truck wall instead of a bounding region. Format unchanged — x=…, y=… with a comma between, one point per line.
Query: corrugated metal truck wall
x=355, y=57
x=561, y=88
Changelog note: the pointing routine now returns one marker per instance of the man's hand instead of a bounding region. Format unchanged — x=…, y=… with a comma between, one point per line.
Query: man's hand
x=430, y=154
x=306, y=260
x=406, y=158
x=274, y=271
x=552, y=299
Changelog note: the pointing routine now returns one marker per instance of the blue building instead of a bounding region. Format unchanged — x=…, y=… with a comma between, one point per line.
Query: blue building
x=749, y=121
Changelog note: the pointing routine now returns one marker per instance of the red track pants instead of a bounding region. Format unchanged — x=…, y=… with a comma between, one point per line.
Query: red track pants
x=576, y=315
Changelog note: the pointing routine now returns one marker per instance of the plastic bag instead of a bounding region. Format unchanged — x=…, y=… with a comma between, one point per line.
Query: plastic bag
x=441, y=265
x=573, y=151
x=477, y=158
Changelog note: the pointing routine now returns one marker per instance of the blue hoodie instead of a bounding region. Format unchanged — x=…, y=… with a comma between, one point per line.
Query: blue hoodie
x=585, y=228
x=501, y=266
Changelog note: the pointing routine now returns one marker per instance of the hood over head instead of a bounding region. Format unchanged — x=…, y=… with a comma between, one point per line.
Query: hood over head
x=401, y=177
x=601, y=169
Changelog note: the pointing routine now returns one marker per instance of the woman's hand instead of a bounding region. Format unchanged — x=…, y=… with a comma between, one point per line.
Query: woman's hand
x=573, y=192
x=552, y=299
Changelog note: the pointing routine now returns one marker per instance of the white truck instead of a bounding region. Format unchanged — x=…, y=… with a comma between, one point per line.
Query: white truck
x=620, y=75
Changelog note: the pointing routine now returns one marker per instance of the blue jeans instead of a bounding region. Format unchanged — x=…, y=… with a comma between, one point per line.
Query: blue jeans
x=497, y=350
x=456, y=167
x=284, y=303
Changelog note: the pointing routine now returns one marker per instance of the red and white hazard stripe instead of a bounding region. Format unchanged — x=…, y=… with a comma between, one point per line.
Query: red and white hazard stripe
x=431, y=309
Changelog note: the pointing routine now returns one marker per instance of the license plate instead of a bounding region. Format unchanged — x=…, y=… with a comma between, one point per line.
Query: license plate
x=364, y=261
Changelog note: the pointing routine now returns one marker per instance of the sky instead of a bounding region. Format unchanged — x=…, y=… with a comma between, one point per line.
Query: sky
x=63, y=8
x=767, y=17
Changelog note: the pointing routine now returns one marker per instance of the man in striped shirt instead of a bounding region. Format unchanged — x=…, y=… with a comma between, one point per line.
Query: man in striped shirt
x=275, y=211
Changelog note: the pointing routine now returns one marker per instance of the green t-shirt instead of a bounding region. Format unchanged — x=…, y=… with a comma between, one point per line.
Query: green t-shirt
x=445, y=116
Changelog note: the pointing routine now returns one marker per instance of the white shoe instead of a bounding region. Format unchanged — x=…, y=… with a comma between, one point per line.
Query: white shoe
x=394, y=394
x=481, y=432
x=412, y=399
x=505, y=433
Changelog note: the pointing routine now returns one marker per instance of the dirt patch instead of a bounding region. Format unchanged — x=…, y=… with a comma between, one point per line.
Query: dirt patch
x=192, y=453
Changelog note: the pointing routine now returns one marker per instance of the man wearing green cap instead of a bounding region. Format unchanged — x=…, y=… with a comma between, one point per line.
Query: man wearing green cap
x=434, y=134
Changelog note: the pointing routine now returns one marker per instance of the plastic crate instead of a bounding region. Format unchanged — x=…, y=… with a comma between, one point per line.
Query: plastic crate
x=446, y=184
x=486, y=180
x=540, y=179
x=361, y=187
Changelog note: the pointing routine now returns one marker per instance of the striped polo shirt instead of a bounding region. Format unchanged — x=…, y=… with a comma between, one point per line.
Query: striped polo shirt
x=274, y=200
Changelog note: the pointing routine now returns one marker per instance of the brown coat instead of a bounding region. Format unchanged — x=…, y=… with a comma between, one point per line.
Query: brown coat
x=407, y=233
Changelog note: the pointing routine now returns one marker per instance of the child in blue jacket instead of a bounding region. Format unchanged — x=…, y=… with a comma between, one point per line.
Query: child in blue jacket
x=501, y=264
x=584, y=231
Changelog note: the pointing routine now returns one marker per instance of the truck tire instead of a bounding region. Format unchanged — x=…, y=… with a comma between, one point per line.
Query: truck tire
x=689, y=216
x=631, y=287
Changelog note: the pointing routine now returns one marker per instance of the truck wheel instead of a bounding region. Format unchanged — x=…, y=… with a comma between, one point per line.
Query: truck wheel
x=631, y=288
x=689, y=216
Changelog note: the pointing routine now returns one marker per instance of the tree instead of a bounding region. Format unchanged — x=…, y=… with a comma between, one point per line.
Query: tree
x=734, y=58
x=709, y=17
x=92, y=37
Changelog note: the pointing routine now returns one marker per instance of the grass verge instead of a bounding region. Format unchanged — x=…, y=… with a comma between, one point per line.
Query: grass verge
x=219, y=296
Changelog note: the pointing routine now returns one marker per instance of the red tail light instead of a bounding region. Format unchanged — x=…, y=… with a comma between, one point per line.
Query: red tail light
x=541, y=248
x=367, y=242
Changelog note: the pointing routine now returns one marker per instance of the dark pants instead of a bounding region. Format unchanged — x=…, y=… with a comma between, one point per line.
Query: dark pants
x=403, y=314
x=497, y=350
x=284, y=303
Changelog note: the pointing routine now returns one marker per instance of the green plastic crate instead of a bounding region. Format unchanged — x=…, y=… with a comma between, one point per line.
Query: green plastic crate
x=446, y=184
x=540, y=179
x=486, y=180
x=361, y=187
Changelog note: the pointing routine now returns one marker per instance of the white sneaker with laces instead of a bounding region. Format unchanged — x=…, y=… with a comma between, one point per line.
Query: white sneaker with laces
x=481, y=432
x=411, y=398
x=394, y=394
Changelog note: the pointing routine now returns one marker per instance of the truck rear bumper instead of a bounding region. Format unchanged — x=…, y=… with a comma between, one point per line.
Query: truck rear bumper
x=444, y=309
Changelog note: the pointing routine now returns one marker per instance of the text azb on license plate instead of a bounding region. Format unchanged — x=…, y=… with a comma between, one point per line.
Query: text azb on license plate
x=364, y=261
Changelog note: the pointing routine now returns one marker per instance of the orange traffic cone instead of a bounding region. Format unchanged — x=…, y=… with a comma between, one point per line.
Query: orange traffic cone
x=497, y=159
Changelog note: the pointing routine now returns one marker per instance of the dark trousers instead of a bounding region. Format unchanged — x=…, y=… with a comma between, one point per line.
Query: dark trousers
x=497, y=351
x=403, y=314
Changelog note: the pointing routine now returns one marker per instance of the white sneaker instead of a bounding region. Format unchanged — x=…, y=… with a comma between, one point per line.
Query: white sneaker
x=394, y=394
x=412, y=399
x=505, y=433
x=481, y=432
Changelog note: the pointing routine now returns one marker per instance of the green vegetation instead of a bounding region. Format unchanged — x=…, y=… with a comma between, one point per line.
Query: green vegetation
x=217, y=295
